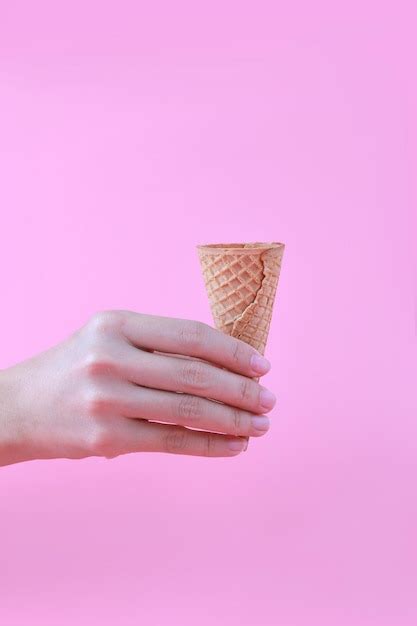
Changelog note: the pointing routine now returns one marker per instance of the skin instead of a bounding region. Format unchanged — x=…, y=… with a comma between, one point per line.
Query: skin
x=112, y=388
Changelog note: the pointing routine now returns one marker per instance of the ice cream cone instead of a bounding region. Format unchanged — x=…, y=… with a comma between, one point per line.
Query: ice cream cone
x=241, y=281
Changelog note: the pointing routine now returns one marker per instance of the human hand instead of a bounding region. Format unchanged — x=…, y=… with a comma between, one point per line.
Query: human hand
x=93, y=394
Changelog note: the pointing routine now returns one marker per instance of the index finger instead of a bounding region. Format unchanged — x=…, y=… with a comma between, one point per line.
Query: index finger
x=194, y=339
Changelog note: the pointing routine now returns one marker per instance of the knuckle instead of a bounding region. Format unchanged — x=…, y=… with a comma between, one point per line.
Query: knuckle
x=236, y=421
x=102, y=322
x=188, y=407
x=193, y=375
x=192, y=335
x=97, y=401
x=209, y=445
x=97, y=361
x=237, y=353
x=176, y=440
x=245, y=390
x=100, y=441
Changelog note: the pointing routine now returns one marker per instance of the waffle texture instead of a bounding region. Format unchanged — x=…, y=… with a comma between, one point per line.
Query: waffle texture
x=241, y=281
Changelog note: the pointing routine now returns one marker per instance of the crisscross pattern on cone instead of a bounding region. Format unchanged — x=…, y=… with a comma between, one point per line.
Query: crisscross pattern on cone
x=241, y=282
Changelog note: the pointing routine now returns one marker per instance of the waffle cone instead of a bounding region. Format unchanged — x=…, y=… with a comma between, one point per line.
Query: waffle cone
x=241, y=281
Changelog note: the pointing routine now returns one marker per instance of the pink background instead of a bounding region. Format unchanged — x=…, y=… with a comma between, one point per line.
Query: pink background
x=130, y=132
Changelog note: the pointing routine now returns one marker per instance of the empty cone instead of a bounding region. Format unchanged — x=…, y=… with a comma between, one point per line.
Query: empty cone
x=241, y=281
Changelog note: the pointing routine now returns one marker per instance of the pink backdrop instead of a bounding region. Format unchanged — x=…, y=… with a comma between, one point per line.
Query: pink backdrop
x=130, y=132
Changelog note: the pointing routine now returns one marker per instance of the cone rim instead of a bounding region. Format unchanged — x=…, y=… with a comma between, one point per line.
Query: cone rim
x=240, y=248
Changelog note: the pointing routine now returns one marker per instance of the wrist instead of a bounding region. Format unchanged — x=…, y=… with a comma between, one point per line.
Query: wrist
x=12, y=437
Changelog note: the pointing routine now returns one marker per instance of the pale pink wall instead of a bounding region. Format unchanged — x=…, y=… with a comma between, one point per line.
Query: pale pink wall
x=130, y=132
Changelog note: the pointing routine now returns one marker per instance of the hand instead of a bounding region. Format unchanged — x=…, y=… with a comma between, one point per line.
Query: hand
x=93, y=394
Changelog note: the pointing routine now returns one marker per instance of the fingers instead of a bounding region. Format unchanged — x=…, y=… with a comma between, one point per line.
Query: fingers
x=197, y=378
x=192, y=411
x=192, y=338
x=141, y=436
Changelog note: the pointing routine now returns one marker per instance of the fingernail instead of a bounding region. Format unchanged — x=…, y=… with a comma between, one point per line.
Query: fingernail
x=260, y=422
x=267, y=399
x=238, y=445
x=259, y=364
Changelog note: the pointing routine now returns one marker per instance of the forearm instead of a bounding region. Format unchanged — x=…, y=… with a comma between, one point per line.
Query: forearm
x=12, y=436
